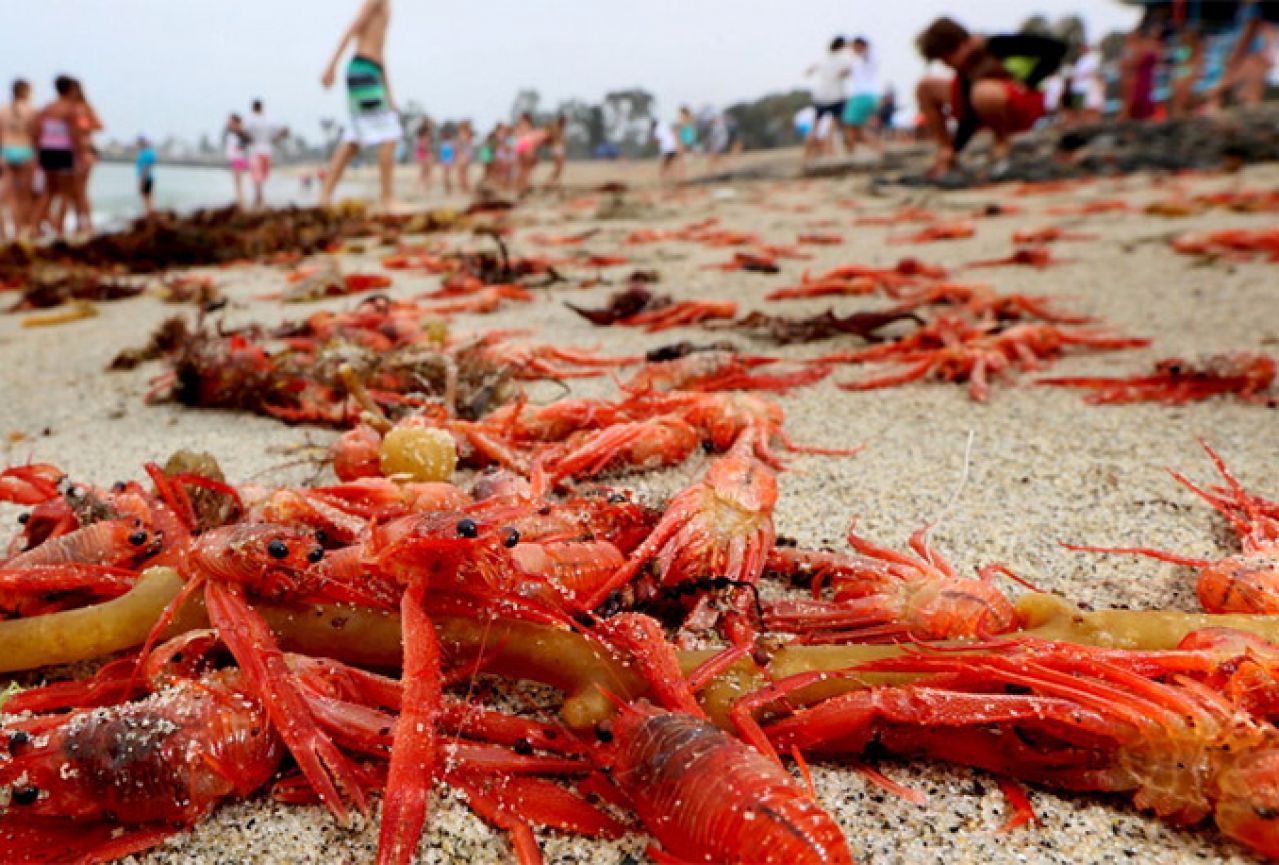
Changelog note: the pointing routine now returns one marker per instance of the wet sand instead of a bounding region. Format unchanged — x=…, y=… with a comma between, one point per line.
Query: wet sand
x=1044, y=466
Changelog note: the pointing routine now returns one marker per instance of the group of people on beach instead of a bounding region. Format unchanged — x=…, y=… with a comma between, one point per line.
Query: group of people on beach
x=249, y=146
x=1179, y=60
x=711, y=132
x=847, y=99
x=507, y=156
x=249, y=142
x=995, y=83
x=1008, y=83
x=1182, y=57
x=46, y=159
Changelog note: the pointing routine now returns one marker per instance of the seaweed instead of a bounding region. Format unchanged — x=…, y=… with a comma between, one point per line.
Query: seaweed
x=787, y=330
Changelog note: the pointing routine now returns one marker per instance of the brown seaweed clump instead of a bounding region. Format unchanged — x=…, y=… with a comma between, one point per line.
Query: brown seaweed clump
x=786, y=330
x=43, y=286
x=60, y=272
x=300, y=378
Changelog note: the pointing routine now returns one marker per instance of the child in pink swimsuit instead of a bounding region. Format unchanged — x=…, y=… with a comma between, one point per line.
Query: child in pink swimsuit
x=528, y=138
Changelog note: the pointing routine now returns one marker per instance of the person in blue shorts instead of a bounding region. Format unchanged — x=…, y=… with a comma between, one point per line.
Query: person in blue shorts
x=145, y=165
x=18, y=157
x=860, y=108
x=448, y=156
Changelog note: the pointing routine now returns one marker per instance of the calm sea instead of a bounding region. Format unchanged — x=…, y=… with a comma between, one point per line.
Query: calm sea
x=114, y=191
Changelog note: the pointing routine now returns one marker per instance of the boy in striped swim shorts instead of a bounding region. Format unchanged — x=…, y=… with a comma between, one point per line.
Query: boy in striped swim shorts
x=374, y=120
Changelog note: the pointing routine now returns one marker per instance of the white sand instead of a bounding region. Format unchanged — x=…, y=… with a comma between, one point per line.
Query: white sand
x=1045, y=467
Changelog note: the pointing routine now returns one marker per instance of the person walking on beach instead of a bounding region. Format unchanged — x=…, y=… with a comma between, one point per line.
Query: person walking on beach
x=424, y=153
x=263, y=133
x=235, y=143
x=859, y=110
x=505, y=166
x=555, y=140
x=1137, y=70
x=58, y=136
x=18, y=157
x=670, y=152
x=487, y=157
x=996, y=85
x=528, y=141
x=86, y=157
x=804, y=123
x=374, y=119
x=448, y=159
x=465, y=155
x=687, y=128
x=719, y=138
x=145, y=165
x=830, y=75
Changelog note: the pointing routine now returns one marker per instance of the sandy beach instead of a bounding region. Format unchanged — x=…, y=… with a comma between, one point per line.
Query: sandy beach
x=1043, y=468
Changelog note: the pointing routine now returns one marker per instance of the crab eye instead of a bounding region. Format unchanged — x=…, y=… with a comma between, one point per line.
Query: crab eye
x=138, y=538
x=24, y=795
x=316, y=554
x=277, y=549
x=466, y=528
x=510, y=537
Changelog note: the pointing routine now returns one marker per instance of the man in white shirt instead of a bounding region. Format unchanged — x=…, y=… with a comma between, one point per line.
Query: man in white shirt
x=830, y=84
x=263, y=133
x=670, y=151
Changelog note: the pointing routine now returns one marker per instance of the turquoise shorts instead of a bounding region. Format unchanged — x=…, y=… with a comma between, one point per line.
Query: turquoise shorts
x=859, y=109
x=17, y=155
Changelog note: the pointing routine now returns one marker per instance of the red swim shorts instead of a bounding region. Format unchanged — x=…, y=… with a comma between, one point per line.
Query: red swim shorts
x=1025, y=106
x=259, y=167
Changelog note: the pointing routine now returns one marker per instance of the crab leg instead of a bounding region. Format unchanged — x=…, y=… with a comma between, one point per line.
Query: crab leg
x=264, y=667
x=413, y=753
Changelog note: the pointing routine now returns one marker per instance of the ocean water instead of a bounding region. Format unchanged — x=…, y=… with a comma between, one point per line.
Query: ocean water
x=113, y=190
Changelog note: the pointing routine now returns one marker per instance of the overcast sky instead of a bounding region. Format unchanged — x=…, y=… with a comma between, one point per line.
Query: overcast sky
x=179, y=67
